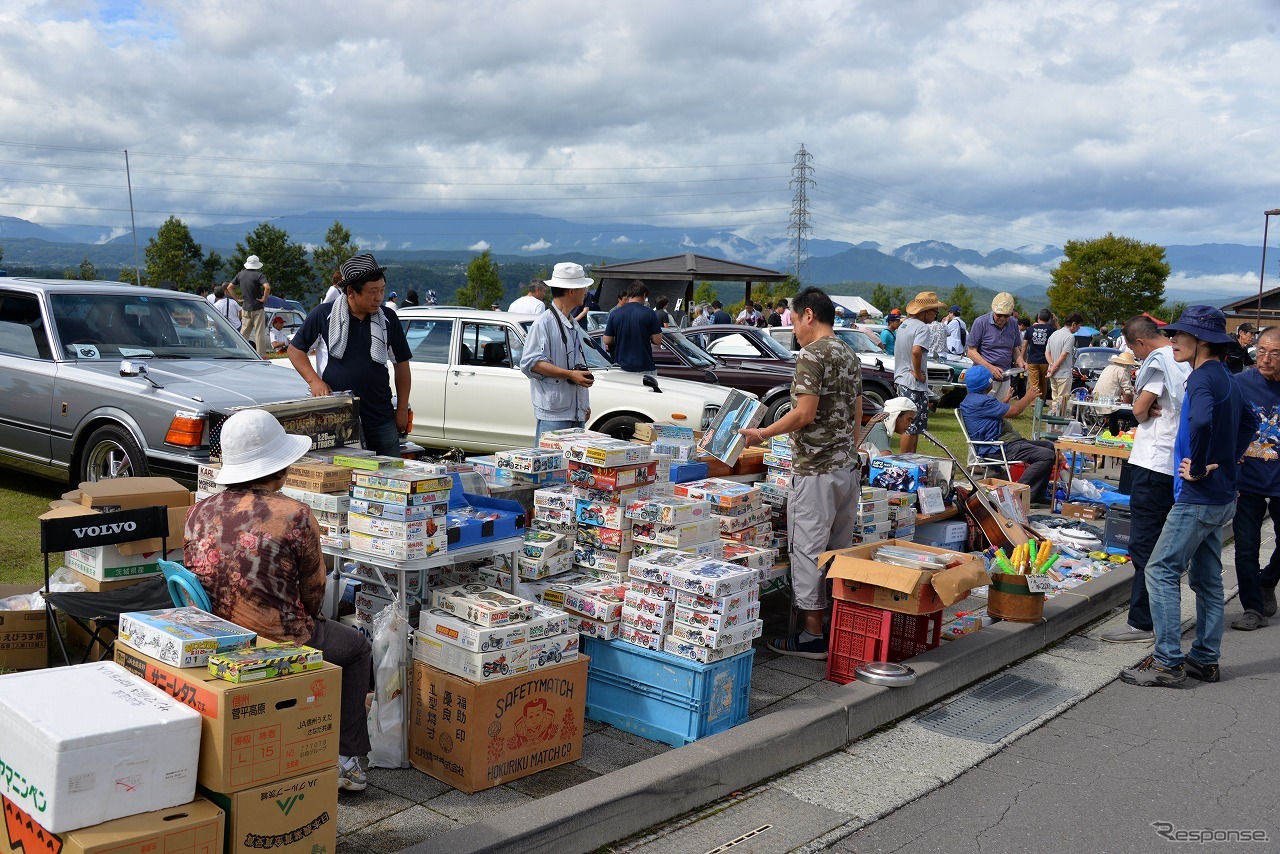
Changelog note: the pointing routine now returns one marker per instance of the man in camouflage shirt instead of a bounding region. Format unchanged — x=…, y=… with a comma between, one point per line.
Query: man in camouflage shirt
x=826, y=407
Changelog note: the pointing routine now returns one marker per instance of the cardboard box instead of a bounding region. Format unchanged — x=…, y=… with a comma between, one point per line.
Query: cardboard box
x=260, y=663
x=613, y=479
x=24, y=636
x=194, y=828
x=110, y=563
x=599, y=601
x=183, y=637
x=86, y=744
x=399, y=549
x=402, y=481
x=856, y=577
x=491, y=666
x=298, y=815
x=1082, y=511
x=668, y=510
x=605, y=539
x=509, y=729
x=449, y=628
x=729, y=637
x=255, y=733
x=1021, y=491
x=724, y=495
x=130, y=493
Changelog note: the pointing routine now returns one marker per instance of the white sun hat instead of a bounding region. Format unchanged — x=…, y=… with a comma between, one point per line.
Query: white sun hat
x=567, y=274
x=252, y=263
x=254, y=445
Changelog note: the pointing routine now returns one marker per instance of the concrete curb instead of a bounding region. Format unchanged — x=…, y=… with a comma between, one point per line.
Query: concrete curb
x=632, y=799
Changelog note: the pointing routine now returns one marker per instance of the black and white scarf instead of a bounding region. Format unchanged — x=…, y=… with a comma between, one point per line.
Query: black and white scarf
x=340, y=327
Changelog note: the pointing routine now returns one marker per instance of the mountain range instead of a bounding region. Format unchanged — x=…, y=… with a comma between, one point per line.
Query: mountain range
x=1207, y=272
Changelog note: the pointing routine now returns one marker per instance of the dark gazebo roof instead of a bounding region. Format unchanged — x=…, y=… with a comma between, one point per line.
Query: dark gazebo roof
x=688, y=268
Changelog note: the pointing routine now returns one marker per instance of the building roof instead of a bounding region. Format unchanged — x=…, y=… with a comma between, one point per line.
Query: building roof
x=688, y=268
x=1250, y=302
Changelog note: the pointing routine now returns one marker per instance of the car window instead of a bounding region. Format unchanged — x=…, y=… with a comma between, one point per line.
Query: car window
x=429, y=340
x=690, y=352
x=22, y=330
x=733, y=344
x=485, y=345
x=591, y=348
x=139, y=325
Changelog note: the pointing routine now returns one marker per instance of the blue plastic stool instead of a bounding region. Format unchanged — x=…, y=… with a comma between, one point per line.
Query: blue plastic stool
x=184, y=588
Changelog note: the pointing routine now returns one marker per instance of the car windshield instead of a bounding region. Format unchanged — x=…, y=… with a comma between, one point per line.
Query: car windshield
x=142, y=325
x=688, y=351
x=596, y=359
x=1094, y=359
x=858, y=341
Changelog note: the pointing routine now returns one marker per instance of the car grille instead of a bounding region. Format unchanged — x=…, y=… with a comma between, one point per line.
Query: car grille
x=709, y=413
x=939, y=376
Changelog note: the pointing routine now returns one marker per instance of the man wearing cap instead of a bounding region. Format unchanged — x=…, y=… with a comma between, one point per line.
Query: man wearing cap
x=1156, y=407
x=554, y=359
x=995, y=343
x=1259, y=481
x=532, y=302
x=257, y=555
x=910, y=362
x=988, y=419
x=1214, y=429
x=826, y=397
x=254, y=290
x=957, y=331
x=361, y=334
x=889, y=335
x=1061, y=353
x=1238, y=357
x=391, y=301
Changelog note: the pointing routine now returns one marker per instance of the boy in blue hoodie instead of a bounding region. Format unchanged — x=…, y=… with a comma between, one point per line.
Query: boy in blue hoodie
x=1212, y=434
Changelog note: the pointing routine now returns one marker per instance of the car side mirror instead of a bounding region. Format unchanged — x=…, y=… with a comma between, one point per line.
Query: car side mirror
x=651, y=382
x=137, y=369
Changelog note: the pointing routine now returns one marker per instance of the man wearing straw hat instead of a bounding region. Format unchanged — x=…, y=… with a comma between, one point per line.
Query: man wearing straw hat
x=553, y=357
x=1214, y=429
x=910, y=361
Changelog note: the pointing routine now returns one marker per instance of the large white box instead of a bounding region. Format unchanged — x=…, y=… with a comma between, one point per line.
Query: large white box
x=86, y=744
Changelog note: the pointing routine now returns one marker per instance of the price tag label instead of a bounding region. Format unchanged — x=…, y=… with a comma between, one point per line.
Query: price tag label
x=1039, y=583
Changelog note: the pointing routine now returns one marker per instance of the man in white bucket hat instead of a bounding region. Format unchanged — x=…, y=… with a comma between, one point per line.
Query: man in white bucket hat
x=257, y=555
x=554, y=357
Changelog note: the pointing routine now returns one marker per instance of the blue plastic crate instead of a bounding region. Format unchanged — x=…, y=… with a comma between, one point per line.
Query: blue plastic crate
x=663, y=697
x=690, y=471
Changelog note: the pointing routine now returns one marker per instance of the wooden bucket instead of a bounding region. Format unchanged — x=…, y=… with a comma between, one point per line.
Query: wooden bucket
x=1009, y=599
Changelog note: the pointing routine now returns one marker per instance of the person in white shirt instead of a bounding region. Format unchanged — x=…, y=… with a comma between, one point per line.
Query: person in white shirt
x=279, y=338
x=957, y=331
x=391, y=302
x=1061, y=353
x=225, y=304
x=532, y=302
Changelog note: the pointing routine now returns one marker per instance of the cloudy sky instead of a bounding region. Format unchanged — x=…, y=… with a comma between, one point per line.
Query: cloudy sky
x=987, y=124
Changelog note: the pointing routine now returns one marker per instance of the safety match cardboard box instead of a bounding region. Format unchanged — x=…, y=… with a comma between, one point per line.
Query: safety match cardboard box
x=257, y=733
x=297, y=815
x=86, y=744
x=194, y=828
x=857, y=577
x=477, y=736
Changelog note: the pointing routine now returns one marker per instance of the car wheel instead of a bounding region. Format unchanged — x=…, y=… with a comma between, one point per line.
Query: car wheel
x=777, y=409
x=875, y=394
x=620, y=426
x=112, y=452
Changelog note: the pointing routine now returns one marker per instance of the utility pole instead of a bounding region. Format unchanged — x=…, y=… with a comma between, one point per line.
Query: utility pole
x=798, y=230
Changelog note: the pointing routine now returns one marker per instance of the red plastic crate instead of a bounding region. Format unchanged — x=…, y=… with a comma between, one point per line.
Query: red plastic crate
x=861, y=633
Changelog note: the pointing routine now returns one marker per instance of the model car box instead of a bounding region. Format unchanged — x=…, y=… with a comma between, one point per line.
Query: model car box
x=183, y=637
x=404, y=481
x=700, y=653
x=194, y=828
x=599, y=601
x=597, y=560
x=857, y=577
x=532, y=570
x=393, y=548
x=555, y=591
x=605, y=539
x=633, y=635
x=320, y=500
x=722, y=494
x=713, y=549
x=392, y=529
x=400, y=512
x=530, y=460
x=613, y=479
x=555, y=521
x=508, y=728
x=750, y=518
x=753, y=536
x=640, y=595
x=716, y=621
x=677, y=536
x=389, y=496
x=476, y=666
x=297, y=815
x=482, y=605
x=650, y=589
x=450, y=628
x=607, y=453
x=258, y=663
x=553, y=650
x=718, y=604
x=539, y=545
x=252, y=733
x=367, y=461
x=24, y=635
x=909, y=472
x=605, y=514
x=654, y=566
x=559, y=440
x=668, y=510
x=592, y=628
x=554, y=497
x=648, y=621
x=748, y=556
x=89, y=743
x=777, y=461
x=546, y=622
x=731, y=636
x=709, y=577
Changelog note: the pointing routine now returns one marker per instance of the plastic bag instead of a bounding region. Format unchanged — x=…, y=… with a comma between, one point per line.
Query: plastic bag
x=386, y=714
x=1081, y=488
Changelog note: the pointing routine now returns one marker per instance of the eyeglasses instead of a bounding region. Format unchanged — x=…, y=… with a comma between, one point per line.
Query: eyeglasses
x=1268, y=354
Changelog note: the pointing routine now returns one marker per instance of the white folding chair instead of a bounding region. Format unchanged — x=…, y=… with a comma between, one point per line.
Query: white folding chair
x=995, y=458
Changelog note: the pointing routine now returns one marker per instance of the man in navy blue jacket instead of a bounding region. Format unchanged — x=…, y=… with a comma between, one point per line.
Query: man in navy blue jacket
x=1259, y=485
x=1213, y=431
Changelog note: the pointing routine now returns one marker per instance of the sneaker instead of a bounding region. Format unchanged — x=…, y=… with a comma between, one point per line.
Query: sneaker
x=1128, y=634
x=815, y=649
x=1203, y=672
x=350, y=775
x=1150, y=672
x=1248, y=621
x=1269, y=602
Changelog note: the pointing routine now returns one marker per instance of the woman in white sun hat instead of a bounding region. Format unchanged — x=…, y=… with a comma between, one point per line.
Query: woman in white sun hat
x=257, y=555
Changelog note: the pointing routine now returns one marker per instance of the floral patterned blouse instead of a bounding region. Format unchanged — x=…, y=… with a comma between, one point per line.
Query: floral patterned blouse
x=257, y=554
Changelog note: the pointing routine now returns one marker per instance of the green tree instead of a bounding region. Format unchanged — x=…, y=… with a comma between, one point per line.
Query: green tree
x=284, y=263
x=327, y=258
x=963, y=297
x=705, y=292
x=881, y=298
x=131, y=276
x=1107, y=278
x=85, y=272
x=484, y=285
x=174, y=256
x=212, y=269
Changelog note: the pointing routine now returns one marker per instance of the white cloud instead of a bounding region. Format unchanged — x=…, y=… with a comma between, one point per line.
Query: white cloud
x=621, y=238
x=537, y=246
x=479, y=246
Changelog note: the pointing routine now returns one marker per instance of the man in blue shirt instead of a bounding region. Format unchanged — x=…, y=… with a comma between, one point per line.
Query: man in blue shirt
x=1213, y=430
x=633, y=331
x=1259, y=480
x=719, y=315
x=995, y=343
x=985, y=421
x=889, y=335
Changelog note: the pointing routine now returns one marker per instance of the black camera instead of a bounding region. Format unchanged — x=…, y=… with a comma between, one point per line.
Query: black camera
x=586, y=370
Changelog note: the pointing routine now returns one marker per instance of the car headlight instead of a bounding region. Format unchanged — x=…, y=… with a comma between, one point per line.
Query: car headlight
x=709, y=413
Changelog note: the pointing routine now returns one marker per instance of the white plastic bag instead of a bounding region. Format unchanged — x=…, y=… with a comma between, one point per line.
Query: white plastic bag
x=1081, y=488
x=386, y=714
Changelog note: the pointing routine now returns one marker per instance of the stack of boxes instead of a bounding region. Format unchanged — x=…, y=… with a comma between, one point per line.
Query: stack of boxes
x=872, y=524
x=902, y=515
x=521, y=467
x=742, y=522
x=606, y=475
x=778, y=464
x=400, y=513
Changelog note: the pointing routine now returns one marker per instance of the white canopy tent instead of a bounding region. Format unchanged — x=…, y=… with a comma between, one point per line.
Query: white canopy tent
x=855, y=305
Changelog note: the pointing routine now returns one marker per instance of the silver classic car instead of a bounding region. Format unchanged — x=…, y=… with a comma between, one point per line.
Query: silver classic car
x=101, y=379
